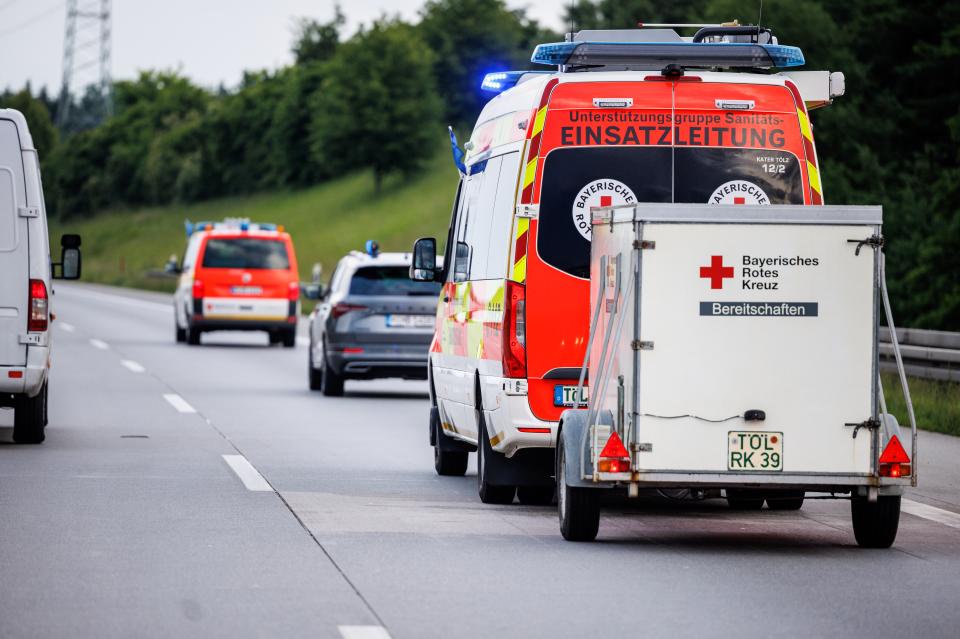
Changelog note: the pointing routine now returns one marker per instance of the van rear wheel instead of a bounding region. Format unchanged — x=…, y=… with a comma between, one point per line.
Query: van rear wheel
x=29, y=418
x=193, y=335
x=489, y=493
x=290, y=338
x=447, y=463
x=875, y=524
x=578, y=508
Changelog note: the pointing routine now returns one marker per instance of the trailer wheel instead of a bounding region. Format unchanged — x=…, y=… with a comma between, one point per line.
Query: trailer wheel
x=29, y=418
x=447, y=463
x=489, y=493
x=578, y=508
x=535, y=495
x=785, y=500
x=875, y=524
x=740, y=499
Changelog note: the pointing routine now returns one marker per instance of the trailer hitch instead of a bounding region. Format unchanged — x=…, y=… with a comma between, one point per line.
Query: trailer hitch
x=874, y=241
x=870, y=424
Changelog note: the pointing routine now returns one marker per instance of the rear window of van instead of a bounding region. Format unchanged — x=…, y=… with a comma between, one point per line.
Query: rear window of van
x=245, y=253
x=576, y=179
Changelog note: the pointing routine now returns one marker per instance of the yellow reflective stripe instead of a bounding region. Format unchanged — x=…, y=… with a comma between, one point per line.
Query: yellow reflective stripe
x=496, y=439
x=805, y=125
x=814, y=175
x=520, y=270
x=538, y=121
x=530, y=172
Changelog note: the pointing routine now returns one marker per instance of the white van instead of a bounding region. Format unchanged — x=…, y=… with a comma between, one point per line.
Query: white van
x=25, y=274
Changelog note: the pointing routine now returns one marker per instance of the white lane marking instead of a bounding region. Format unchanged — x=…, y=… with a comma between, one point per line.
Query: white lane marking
x=118, y=299
x=303, y=341
x=131, y=365
x=97, y=343
x=932, y=513
x=179, y=403
x=249, y=475
x=67, y=327
x=363, y=632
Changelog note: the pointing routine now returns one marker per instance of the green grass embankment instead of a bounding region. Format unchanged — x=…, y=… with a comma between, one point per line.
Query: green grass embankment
x=123, y=247
x=935, y=404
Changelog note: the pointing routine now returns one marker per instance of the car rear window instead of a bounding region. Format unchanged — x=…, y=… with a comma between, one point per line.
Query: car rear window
x=576, y=179
x=246, y=253
x=389, y=280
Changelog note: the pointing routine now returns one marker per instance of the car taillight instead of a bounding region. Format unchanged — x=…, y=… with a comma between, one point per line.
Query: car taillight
x=515, y=331
x=342, y=309
x=197, y=289
x=293, y=291
x=39, y=311
x=894, y=462
x=614, y=457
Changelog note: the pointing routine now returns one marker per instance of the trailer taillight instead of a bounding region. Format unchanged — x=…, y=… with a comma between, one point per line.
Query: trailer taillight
x=894, y=461
x=614, y=458
x=514, y=330
x=39, y=308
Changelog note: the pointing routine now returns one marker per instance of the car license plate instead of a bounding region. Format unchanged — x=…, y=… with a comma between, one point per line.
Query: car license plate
x=754, y=451
x=567, y=396
x=246, y=290
x=410, y=321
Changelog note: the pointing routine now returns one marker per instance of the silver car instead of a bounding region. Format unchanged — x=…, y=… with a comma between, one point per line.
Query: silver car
x=372, y=322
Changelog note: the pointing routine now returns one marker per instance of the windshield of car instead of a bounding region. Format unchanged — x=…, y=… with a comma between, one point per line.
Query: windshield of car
x=246, y=253
x=389, y=280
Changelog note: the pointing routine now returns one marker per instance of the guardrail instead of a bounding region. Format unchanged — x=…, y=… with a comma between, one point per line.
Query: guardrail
x=926, y=354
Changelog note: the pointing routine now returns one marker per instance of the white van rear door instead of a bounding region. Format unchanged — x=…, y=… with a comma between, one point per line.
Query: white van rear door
x=14, y=256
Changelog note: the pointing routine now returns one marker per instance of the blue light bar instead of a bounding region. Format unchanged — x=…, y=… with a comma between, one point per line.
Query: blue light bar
x=659, y=54
x=503, y=80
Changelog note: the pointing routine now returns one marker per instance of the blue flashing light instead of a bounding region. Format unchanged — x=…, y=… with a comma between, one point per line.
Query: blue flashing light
x=503, y=80
x=694, y=54
x=372, y=248
x=244, y=226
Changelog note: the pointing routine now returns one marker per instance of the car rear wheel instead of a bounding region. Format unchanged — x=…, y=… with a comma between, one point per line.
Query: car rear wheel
x=331, y=384
x=875, y=524
x=578, y=508
x=489, y=493
x=29, y=418
x=740, y=499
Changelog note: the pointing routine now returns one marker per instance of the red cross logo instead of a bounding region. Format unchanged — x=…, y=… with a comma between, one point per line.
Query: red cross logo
x=716, y=272
x=606, y=200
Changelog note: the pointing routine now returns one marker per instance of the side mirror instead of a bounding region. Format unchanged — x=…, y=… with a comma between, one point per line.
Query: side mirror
x=312, y=291
x=70, y=261
x=172, y=266
x=424, y=266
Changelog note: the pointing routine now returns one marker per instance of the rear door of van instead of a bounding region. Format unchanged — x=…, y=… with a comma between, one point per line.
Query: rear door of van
x=14, y=256
x=665, y=141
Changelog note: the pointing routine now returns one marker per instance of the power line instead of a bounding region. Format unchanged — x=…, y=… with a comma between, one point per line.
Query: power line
x=7, y=4
x=30, y=21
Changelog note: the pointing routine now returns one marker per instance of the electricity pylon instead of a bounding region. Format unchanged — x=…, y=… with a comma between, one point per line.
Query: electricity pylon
x=86, y=54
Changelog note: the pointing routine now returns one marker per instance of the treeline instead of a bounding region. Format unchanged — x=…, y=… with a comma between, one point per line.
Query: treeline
x=378, y=99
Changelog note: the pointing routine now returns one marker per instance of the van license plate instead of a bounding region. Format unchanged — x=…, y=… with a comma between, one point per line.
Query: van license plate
x=246, y=290
x=754, y=451
x=567, y=395
x=410, y=321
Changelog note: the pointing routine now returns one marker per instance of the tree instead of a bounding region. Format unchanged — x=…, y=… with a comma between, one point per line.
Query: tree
x=42, y=131
x=377, y=105
x=317, y=41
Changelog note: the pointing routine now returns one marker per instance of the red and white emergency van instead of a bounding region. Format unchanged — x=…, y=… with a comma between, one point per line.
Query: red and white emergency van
x=237, y=275
x=627, y=117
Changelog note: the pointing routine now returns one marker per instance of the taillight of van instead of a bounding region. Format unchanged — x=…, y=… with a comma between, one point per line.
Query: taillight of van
x=515, y=330
x=39, y=307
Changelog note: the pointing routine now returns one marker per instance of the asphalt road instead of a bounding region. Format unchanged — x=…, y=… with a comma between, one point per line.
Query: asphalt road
x=205, y=492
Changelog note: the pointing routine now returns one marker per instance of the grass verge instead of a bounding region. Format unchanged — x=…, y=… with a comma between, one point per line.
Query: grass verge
x=936, y=404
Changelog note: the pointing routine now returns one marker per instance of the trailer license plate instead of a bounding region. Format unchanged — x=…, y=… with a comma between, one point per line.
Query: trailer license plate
x=567, y=396
x=753, y=451
x=410, y=321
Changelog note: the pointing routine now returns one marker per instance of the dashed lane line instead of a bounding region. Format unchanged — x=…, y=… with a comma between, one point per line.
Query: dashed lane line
x=132, y=366
x=363, y=632
x=932, y=513
x=67, y=327
x=249, y=475
x=179, y=403
x=99, y=343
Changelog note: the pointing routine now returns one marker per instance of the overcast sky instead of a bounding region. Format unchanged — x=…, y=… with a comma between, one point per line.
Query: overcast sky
x=211, y=41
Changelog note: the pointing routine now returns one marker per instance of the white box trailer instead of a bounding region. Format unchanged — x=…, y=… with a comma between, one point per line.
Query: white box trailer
x=735, y=348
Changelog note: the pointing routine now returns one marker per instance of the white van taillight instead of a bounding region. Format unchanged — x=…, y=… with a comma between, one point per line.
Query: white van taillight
x=293, y=291
x=39, y=307
x=198, y=289
x=515, y=330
